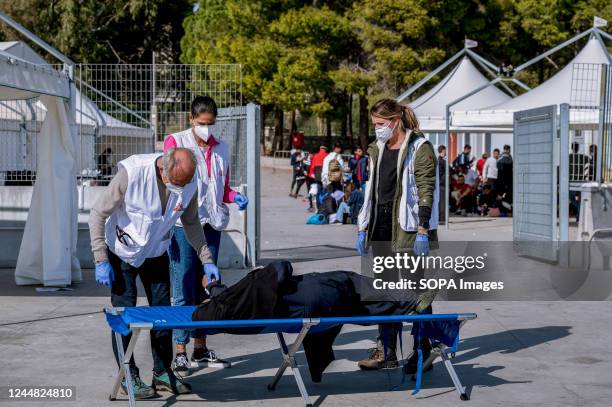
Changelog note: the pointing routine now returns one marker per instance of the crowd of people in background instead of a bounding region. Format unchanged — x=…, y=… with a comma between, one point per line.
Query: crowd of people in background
x=334, y=186
x=482, y=187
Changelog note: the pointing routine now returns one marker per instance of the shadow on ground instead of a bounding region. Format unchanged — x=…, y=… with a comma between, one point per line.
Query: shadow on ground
x=215, y=385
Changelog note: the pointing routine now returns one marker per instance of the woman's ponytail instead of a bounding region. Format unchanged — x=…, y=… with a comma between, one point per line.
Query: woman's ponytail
x=409, y=119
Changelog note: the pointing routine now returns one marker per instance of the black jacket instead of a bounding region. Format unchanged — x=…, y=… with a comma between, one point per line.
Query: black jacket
x=273, y=292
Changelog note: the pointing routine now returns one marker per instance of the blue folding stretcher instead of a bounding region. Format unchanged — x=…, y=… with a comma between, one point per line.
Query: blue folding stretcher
x=138, y=319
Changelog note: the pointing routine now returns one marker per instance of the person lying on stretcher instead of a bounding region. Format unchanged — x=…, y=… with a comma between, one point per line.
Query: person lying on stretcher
x=274, y=292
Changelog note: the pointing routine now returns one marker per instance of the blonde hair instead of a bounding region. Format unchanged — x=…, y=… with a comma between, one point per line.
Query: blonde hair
x=390, y=109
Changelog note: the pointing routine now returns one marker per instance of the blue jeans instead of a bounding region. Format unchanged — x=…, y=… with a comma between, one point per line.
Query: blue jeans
x=186, y=273
x=342, y=209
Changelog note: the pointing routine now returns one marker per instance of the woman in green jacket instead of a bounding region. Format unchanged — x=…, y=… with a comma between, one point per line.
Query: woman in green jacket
x=400, y=210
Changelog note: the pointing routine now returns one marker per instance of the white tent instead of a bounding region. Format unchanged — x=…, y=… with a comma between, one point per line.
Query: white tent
x=47, y=253
x=556, y=90
x=95, y=126
x=430, y=108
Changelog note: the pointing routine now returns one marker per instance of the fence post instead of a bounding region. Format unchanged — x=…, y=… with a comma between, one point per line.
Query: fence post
x=253, y=193
x=153, y=105
x=602, y=113
x=564, y=192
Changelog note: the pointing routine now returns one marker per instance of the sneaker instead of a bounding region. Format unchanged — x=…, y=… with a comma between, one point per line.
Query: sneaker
x=167, y=381
x=425, y=299
x=141, y=390
x=181, y=364
x=376, y=360
x=205, y=355
x=311, y=209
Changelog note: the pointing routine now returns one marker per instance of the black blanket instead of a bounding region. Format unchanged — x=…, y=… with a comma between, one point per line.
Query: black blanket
x=274, y=292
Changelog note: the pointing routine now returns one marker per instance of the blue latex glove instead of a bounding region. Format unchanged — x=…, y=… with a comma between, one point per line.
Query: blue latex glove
x=104, y=273
x=242, y=201
x=212, y=272
x=421, y=245
x=360, y=245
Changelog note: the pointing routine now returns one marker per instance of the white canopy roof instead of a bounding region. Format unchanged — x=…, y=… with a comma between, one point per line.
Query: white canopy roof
x=20, y=79
x=430, y=108
x=556, y=90
x=21, y=50
x=88, y=113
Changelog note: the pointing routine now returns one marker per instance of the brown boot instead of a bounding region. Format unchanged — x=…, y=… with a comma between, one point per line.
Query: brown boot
x=377, y=361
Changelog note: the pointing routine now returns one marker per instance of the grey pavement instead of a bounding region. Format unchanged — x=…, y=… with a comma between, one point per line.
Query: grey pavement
x=515, y=354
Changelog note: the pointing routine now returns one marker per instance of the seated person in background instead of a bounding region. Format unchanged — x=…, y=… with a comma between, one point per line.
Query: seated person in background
x=344, y=210
x=463, y=200
x=274, y=292
x=487, y=202
x=350, y=205
x=327, y=206
x=471, y=176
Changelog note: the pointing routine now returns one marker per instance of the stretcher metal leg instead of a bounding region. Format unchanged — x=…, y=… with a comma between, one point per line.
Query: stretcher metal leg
x=124, y=367
x=289, y=361
x=453, y=374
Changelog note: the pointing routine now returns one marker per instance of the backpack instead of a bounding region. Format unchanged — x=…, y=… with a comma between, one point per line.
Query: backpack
x=334, y=172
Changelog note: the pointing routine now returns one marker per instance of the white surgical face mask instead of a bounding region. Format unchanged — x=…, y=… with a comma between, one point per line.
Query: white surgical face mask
x=202, y=132
x=174, y=189
x=383, y=134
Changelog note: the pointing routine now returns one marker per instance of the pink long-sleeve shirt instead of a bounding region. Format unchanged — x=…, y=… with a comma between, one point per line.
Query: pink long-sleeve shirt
x=228, y=193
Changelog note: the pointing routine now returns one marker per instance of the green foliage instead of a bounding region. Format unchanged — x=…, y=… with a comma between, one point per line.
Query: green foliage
x=103, y=31
x=310, y=56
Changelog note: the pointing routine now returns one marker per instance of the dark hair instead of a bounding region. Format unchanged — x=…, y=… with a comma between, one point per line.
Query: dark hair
x=203, y=104
x=497, y=149
x=506, y=147
x=390, y=109
x=441, y=148
x=338, y=145
x=357, y=148
x=467, y=146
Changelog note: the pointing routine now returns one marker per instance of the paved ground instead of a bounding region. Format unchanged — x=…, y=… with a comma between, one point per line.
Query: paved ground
x=514, y=354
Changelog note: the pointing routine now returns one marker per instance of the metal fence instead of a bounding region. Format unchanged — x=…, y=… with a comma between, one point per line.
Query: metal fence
x=123, y=109
x=590, y=124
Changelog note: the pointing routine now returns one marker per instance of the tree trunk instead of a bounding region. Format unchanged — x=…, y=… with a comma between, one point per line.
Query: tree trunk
x=293, y=122
x=364, y=120
x=349, y=119
x=328, y=133
x=278, y=130
x=292, y=129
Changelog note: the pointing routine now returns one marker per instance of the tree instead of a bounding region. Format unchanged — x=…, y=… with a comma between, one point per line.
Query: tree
x=96, y=31
x=314, y=40
x=392, y=51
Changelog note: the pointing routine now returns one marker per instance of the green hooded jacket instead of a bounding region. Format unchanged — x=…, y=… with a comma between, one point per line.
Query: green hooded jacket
x=425, y=178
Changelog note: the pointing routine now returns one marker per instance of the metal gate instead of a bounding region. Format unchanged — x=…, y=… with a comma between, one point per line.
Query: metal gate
x=125, y=109
x=535, y=183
